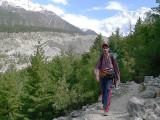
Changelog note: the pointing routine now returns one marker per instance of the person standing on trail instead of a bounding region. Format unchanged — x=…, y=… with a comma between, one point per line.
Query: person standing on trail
x=106, y=68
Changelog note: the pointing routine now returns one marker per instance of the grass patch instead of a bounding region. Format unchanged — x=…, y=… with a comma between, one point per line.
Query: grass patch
x=118, y=96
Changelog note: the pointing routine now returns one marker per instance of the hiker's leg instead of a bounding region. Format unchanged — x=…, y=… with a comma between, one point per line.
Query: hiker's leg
x=105, y=82
x=103, y=87
x=108, y=89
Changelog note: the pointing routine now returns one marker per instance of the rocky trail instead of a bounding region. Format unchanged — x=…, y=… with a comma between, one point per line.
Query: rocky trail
x=118, y=110
x=118, y=106
x=131, y=101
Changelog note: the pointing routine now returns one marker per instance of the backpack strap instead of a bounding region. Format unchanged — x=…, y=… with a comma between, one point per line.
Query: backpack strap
x=112, y=60
x=101, y=59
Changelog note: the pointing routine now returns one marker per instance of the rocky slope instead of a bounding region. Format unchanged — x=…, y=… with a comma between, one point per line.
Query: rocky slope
x=17, y=47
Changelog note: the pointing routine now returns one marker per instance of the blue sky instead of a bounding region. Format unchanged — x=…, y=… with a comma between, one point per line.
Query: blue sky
x=97, y=9
x=99, y=15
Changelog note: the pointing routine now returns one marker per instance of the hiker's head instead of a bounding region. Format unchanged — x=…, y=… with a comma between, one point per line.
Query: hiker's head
x=105, y=45
x=105, y=48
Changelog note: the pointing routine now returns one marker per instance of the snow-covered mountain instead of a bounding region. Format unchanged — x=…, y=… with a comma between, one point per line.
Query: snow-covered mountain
x=24, y=12
x=48, y=18
x=122, y=20
x=88, y=31
x=25, y=4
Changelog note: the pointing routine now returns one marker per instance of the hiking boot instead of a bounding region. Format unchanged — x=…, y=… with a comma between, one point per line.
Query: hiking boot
x=105, y=113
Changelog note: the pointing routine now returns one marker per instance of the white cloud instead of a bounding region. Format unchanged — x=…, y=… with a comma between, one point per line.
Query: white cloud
x=64, y=2
x=107, y=25
x=95, y=8
x=115, y=6
x=54, y=9
x=81, y=21
x=84, y=22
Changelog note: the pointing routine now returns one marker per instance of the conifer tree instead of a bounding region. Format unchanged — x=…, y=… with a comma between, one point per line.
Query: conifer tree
x=37, y=100
x=10, y=89
x=61, y=96
x=138, y=23
x=97, y=44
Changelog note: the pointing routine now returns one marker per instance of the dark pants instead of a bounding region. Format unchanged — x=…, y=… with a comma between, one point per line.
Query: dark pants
x=106, y=86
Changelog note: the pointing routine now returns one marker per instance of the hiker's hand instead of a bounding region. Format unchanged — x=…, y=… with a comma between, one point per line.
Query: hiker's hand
x=119, y=82
x=97, y=78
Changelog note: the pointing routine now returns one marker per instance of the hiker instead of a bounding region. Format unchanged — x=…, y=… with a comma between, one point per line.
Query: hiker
x=107, y=67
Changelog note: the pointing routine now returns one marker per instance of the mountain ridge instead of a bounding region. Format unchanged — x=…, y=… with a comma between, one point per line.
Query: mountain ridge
x=33, y=14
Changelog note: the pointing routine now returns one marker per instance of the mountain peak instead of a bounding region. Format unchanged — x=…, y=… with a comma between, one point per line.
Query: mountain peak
x=25, y=4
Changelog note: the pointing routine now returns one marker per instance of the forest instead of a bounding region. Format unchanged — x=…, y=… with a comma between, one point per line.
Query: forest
x=48, y=89
x=22, y=28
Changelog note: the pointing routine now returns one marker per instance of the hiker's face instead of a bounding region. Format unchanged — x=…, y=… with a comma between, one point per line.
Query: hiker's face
x=106, y=49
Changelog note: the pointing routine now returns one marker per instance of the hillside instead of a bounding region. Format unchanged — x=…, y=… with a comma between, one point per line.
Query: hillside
x=27, y=13
x=14, y=47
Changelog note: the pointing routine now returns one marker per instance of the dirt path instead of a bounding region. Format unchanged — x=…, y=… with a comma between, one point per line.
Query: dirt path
x=117, y=108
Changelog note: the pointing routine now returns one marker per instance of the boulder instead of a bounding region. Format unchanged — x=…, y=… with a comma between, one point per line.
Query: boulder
x=148, y=93
x=149, y=115
x=157, y=110
x=148, y=78
x=150, y=104
x=136, y=107
x=155, y=84
x=157, y=79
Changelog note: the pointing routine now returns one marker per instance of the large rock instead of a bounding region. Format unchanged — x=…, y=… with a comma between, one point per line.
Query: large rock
x=136, y=107
x=148, y=93
x=157, y=110
x=157, y=79
x=148, y=78
x=151, y=104
x=149, y=115
x=143, y=109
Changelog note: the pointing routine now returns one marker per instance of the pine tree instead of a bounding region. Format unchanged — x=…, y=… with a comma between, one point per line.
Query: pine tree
x=97, y=44
x=130, y=27
x=37, y=100
x=138, y=23
x=61, y=96
x=10, y=89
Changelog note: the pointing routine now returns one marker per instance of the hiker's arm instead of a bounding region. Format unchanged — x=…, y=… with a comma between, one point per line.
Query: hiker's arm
x=97, y=68
x=116, y=69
